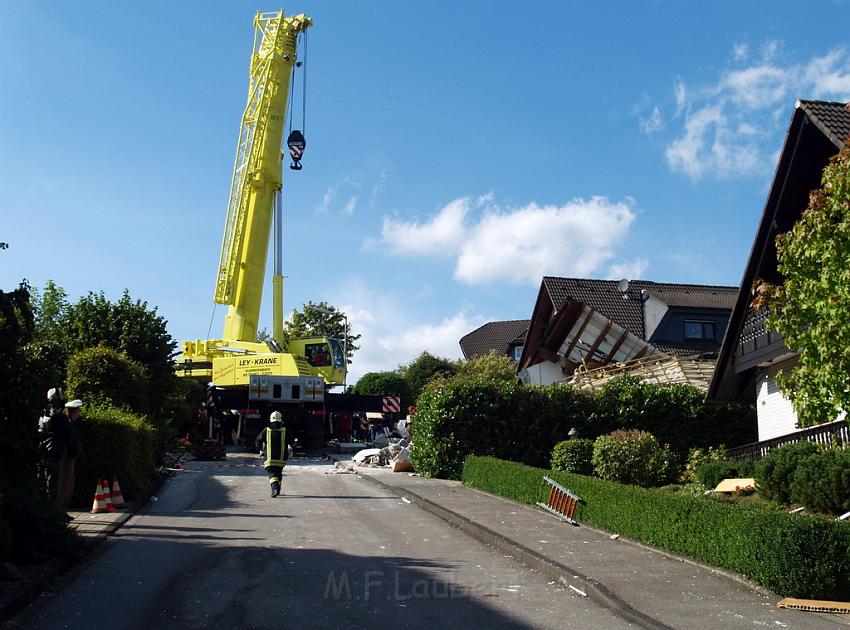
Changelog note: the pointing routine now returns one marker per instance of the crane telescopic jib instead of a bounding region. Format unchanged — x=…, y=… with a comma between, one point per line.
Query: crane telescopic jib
x=253, y=206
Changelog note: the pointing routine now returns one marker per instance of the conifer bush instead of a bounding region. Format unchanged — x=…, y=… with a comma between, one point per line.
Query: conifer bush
x=821, y=482
x=775, y=472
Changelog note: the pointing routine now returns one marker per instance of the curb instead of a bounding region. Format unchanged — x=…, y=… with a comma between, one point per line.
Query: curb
x=561, y=574
x=726, y=573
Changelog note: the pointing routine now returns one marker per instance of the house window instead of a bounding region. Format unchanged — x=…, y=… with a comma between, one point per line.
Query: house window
x=699, y=330
x=516, y=353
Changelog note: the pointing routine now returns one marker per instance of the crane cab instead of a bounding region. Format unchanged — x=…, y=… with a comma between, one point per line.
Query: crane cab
x=325, y=355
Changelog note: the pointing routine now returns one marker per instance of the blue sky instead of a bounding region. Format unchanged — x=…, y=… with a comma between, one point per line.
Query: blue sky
x=456, y=151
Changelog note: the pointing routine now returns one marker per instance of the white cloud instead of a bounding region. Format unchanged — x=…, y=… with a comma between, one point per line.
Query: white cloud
x=731, y=128
x=829, y=75
x=680, y=92
x=518, y=245
x=771, y=49
x=377, y=188
x=442, y=234
x=347, y=184
x=653, y=123
x=740, y=52
x=391, y=336
x=756, y=87
x=349, y=206
x=327, y=198
x=631, y=270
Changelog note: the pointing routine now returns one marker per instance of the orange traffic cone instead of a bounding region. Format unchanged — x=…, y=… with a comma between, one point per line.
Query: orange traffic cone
x=99, y=504
x=107, y=496
x=117, y=497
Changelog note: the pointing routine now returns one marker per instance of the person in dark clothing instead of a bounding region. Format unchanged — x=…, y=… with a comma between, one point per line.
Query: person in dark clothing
x=61, y=447
x=272, y=445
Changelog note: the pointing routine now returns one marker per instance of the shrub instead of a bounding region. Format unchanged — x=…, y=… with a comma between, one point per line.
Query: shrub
x=487, y=418
x=797, y=557
x=116, y=442
x=711, y=473
x=676, y=414
x=573, y=456
x=696, y=457
x=775, y=472
x=101, y=375
x=822, y=482
x=524, y=423
x=632, y=457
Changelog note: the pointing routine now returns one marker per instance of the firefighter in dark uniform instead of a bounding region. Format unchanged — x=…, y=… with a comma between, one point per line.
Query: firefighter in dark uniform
x=272, y=445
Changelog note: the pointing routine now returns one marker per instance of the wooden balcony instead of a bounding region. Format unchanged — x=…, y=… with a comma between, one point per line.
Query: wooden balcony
x=827, y=434
x=756, y=343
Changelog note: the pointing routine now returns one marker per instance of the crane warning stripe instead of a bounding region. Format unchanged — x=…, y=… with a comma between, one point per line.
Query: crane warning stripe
x=391, y=404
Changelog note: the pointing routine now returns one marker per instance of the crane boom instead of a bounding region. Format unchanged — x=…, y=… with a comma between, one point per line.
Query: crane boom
x=256, y=173
x=255, y=188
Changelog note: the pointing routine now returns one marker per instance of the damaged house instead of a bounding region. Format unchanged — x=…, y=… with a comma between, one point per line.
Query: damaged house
x=601, y=328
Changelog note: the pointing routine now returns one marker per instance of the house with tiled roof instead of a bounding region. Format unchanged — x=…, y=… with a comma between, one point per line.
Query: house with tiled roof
x=586, y=323
x=751, y=356
x=502, y=337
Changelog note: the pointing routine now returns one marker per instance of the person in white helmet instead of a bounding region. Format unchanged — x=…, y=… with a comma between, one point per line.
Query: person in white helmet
x=272, y=444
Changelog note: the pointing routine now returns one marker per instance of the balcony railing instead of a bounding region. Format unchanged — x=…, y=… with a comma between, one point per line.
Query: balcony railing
x=755, y=335
x=827, y=434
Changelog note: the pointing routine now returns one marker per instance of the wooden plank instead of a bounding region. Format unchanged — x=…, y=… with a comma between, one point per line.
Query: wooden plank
x=572, y=345
x=814, y=605
x=616, y=346
x=565, y=319
x=599, y=340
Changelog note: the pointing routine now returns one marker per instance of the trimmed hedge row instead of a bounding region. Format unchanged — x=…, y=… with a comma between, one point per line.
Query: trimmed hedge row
x=791, y=555
x=524, y=423
x=117, y=442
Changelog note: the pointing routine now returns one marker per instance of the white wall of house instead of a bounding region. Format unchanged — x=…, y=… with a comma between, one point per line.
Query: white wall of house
x=544, y=373
x=654, y=311
x=776, y=416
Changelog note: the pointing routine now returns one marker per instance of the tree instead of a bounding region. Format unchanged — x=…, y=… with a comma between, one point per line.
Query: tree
x=49, y=349
x=321, y=320
x=101, y=375
x=25, y=509
x=384, y=384
x=811, y=308
x=494, y=367
x=128, y=326
x=422, y=369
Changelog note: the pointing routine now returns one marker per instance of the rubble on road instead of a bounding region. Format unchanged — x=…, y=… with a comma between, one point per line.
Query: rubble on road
x=395, y=455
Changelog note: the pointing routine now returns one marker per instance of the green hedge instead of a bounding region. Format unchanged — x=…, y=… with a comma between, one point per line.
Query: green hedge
x=117, y=442
x=789, y=554
x=503, y=420
x=524, y=423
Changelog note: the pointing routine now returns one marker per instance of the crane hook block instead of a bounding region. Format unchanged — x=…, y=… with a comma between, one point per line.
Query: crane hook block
x=296, y=143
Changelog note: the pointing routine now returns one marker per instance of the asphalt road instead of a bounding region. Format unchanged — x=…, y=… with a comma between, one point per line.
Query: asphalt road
x=334, y=551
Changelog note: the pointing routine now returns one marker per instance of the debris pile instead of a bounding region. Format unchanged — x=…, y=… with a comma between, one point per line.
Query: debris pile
x=395, y=455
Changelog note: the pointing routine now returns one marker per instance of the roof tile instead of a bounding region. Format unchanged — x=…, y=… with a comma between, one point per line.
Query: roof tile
x=493, y=336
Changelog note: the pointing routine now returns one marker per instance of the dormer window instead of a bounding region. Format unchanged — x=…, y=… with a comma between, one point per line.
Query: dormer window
x=699, y=330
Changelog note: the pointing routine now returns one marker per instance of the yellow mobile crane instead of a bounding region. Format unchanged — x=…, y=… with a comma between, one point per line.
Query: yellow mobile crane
x=277, y=371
